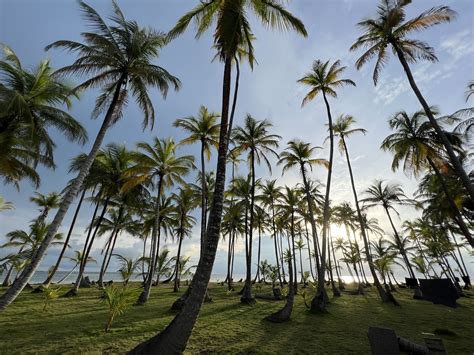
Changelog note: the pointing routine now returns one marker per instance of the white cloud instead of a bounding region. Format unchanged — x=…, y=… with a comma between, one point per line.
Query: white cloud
x=459, y=44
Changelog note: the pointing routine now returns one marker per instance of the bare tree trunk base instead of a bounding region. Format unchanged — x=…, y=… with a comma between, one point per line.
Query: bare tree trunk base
x=142, y=299
x=335, y=291
x=283, y=315
x=418, y=294
x=319, y=302
x=247, y=300
x=38, y=289
x=71, y=293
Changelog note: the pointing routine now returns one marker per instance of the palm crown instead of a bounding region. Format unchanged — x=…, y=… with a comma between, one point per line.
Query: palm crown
x=390, y=27
x=119, y=56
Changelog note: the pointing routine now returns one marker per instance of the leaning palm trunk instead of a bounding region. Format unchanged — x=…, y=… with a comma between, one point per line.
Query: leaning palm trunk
x=314, y=230
x=335, y=290
x=177, y=267
x=174, y=337
x=320, y=299
x=447, y=144
x=108, y=252
x=457, y=214
x=87, y=250
x=28, y=271
x=402, y=249
x=48, y=280
x=68, y=274
x=155, y=248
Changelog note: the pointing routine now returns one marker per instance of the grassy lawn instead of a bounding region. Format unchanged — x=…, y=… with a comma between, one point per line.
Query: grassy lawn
x=76, y=325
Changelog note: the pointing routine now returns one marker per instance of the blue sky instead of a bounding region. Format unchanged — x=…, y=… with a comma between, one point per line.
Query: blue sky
x=268, y=92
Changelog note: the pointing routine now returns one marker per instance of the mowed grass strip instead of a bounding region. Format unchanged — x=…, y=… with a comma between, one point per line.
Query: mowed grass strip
x=73, y=325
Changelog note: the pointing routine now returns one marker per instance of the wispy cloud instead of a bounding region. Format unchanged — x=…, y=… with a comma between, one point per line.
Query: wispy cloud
x=458, y=45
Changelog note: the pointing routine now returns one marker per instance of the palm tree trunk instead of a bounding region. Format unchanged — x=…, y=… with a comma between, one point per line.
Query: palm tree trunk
x=145, y=295
x=174, y=337
x=314, y=230
x=82, y=266
x=67, y=275
x=309, y=251
x=399, y=242
x=295, y=270
x=234, y=100
x=320, y=299
x=203, y=199
x=28, y=272
x=247, y=294
x=447, y=144
x=257, y=275
x=335, y=290
x=457, y=215
x=380, y=289
x=177, y=269
x=276, y=244
x=6, y=280
x=117, y=232
x=281, y=258
x=48, y=280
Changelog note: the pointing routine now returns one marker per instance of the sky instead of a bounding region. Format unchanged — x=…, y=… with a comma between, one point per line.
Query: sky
x=269, y=91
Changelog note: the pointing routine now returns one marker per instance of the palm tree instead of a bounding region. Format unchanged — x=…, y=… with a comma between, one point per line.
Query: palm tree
x=343, y=128
x=254, y=138
x=159, y=165
x=299, y=154
x=284, y=314
x=29, y=103
x=184, y=202
x=270, y=194
x=390, y=28
x=232, y=33
x=118, y=60
x=324, y=79
x=204, y=129
x=388, y=196
x=127, y=267
x=46, y=203
x=418, y=146
x=27, y=243
x=163, y=265
x=289, y=205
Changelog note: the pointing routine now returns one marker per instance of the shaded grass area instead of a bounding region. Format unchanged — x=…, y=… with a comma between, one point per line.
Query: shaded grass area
x=76, y=324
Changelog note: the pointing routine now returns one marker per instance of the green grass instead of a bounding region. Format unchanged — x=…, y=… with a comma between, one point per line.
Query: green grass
x=76, y=325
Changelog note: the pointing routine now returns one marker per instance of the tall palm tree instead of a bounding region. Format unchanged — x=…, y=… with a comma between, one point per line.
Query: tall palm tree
x=159, y=165
x=390, y=28
x=324, y=79
x=184, y=202
x=343, y=128
x=289, y=205
x=232, y=32
x=255, y=138
x=29, y=102
x=419, y=147
x=300, y=154
x=270, y=194
x=204, y=129
x=118, y=59
x=387, y=196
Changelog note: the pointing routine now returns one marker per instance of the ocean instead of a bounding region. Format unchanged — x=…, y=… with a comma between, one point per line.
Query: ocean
x=40, y=276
